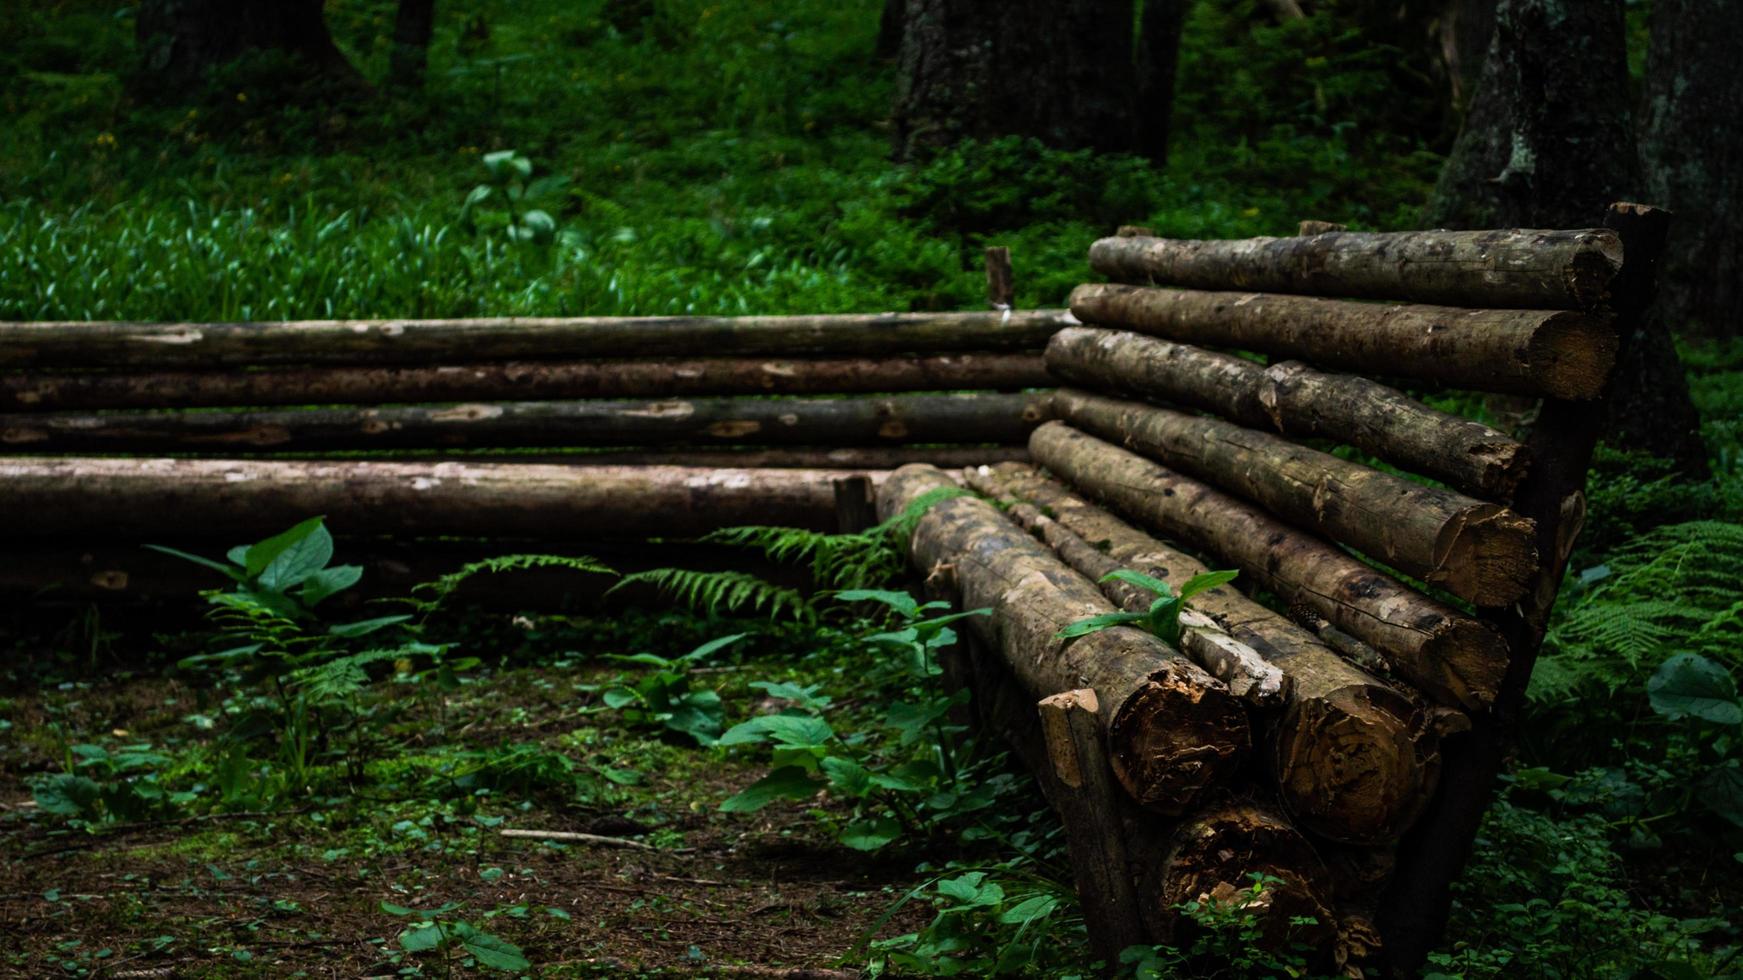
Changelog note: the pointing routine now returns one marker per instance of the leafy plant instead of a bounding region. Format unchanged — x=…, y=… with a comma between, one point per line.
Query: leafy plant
x=1701, y=694
x=1228, y=940
x=435, y=933
x=101, y=786
x=1162, y=618
x=997, y=922
x=719, y=593
x=664, y=697
x=509, y=182
x=442, y=588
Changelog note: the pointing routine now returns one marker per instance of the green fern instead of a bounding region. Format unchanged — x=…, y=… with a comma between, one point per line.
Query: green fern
x=723, y=592
x=442, y=588
x=1671, y=589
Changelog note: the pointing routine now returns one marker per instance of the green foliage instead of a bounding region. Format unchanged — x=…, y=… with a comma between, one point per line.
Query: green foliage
x=720, y=593
x=1162, y=619
x=437, y=935
x=509, y=183
x=665, y=697
x=442, y=588
x=100, y=786
x=1228, y=940
x=990, y=922
x=1690, y=687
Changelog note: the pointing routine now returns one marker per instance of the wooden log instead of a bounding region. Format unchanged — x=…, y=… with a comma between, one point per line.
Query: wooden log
x=1071, y=727
x=1353, y=759
x=169, y=498
x=1478, y=551
x=1522, y=352
x=1001, y=281
x=115, y=344
x=861, y=458
x=1562, y=270
x=854, y=420
x=1294, y=399
x=520, y=381
x=1455, y=659
x=1213, y=857
x=1173, y=731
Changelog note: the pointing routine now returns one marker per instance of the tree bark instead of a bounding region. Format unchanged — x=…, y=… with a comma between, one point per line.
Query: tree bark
x=1173, y=731
x=1693, y=150
x=1562, y=270
x=1158, y=63
x=422, y=342
x=521, y=381
x=1294, y=399
x=1528, y=352
x=167, y=498
x=413, y=25
x=847, y=421
x=1060, y=71
x=1477, y=551
x=803, y=457
x=1453, y=658
x=892, y=23
x=1353, y=759
x=181, y=41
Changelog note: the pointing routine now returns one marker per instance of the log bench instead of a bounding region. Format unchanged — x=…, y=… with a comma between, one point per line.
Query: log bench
x=1336, y=717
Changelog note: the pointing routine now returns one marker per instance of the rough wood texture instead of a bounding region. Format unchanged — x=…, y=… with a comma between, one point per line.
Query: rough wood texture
x=1455, y=659
x=1478, y=551
x=1213, y=856
x=1071, y=726
x=210, y=345
x=145, y=496
x=1296, y=400
x=813, y=457
x=847, y=421
x=1173, y=731
x=521, y=381
x=1354, y=759
x=1001, y=280
x=1566, y=270
x=1526, y=352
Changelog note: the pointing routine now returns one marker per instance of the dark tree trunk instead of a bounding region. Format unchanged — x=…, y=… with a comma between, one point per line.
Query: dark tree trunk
x=1693, y=150
x=1158, y=61
x=1461, y=35
x=412, y=28
x=180, y=40
x=890, y=28
x=1058, y=70
x=1549, y=143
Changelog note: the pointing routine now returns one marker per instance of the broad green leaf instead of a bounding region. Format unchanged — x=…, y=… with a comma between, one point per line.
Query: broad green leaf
x=847, y=776
x=229, y=570
x=392, y=909
x=66, y=795
x=1205, y=582
x=785, y=783
x=1722, y=792
x=302, y=558
x=1689, y=685
x=366, y=626
x=712, y=646
x=1139, y=579
x=1029, y=909
x=904, y=604
x=617, y=698
x=491, y=951
x=260, y=555
x=1094, y=624
x=805, y=697
x=972, y=890
x=420, y=939
x=540, y=226
x=329, y=581
x=870, y=834
x=799, y=731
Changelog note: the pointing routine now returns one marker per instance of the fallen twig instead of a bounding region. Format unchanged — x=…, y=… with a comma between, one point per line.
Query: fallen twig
x=598, y=840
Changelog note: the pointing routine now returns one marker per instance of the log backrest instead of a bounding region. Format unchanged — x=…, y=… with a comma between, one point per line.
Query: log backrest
x=833, y=390
x=1266, y=403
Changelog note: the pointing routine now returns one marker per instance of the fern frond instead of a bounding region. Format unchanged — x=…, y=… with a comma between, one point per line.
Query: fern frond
x=723, y=592
x=440, y=589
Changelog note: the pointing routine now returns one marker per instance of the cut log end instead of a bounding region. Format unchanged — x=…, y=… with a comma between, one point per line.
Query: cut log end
x=1473, y=661
x=1592, y=271
x=1574, y=355
x=1487, y=555
x=1213, y=859
x=1174, y=738
x=1356, y=765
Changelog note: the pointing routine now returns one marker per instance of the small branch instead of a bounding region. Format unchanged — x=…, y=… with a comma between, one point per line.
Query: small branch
x=598, y=840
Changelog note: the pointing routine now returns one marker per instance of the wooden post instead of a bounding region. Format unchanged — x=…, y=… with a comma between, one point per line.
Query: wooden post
x=1001, y=282
x=1089, y=810
x=855, y=505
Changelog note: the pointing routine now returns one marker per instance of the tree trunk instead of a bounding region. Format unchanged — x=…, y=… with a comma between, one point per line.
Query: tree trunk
x=848, y=421
x=674, y=377
x=1060, y=71
x=1478, y=551
x=1294, y=399
x=422, y=342
x=180, y=41
x=857, y=459
x=1353, y=758
x=1158, y=54
x=165, y=498
x=1451, y=657
x=891, y=26
x=412, y=27
x=1527, y=352
x=1693, y=148
x=1173, y=731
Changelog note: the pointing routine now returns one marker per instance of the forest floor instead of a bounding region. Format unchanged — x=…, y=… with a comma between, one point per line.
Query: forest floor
x=301, y=891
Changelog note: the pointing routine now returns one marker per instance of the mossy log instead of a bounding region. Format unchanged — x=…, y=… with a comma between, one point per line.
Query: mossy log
x=984, y=417
x=114, y=344
x=1478, y=551
x=1296, y=400
x=156, y=497
x=1521, y=352
x=1531, y=269
x=1453, y=658
x=681, y=377
x=857, y=458
x=1173, y=731
x=1354, y=760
